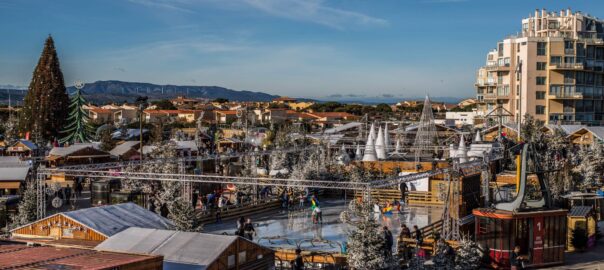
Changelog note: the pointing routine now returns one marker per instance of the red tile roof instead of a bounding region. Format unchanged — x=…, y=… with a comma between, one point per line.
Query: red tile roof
x=332, y=114
x=284, y=99
x=231, y=112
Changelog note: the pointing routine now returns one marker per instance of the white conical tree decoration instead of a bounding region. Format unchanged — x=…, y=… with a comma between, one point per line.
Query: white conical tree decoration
x=478, y=138
x=379, y=145
x=462, y=151
x=370, y=146
x=386, y=139
x=358, y=154
x=452, y=150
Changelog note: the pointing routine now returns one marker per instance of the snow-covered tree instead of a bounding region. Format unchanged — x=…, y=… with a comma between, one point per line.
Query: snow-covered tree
x=279, y=160
x=589, y=165
x=28, y=207
x=184, y=217
x=365, y=240
x=468, y=255
x=443, y=258
x=11, y=134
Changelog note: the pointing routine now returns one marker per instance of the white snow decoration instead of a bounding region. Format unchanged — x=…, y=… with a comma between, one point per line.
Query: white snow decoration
x=478, y=138
x=379, y=145
x=358, y=154
x=370, y=146
x=462, y=151
x=386, y=139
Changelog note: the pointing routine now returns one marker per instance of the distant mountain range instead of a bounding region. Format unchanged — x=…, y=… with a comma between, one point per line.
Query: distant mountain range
x=101, y=92
x=118, y=91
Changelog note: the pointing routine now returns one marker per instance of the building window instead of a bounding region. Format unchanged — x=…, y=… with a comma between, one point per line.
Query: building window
x=539, y=109
x=553, y=25
x=541, y=65
x=555, y=60
x=500, y=49
x=541, y=47
x=540, y=95
x=540, y=80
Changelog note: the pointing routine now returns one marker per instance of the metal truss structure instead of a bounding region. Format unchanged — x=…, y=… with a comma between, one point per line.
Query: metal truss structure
x=123, y=164
x=113, y=171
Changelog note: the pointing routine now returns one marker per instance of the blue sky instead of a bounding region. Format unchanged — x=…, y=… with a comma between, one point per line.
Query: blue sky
x=314, y=48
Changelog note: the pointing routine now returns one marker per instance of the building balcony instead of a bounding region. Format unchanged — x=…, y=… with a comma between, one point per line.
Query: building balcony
x=505, y=67
x=495, y=96
x=565, y=118
x=566, y=66
x=565, y=95
x=483, y=83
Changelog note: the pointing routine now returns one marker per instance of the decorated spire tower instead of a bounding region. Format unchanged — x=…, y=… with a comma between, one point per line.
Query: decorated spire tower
x=78, y=129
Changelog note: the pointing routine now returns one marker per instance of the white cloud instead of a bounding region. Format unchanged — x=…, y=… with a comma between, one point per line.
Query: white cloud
x=315, y=11
x=163, y=4
x=175, y=49
x=312, y=11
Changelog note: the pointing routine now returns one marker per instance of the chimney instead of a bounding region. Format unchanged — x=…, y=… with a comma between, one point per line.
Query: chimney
x=568, y=12
x=543, y=13
x=536, y=13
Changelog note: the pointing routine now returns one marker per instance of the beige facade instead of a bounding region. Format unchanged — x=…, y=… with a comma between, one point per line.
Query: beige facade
x=553, y=70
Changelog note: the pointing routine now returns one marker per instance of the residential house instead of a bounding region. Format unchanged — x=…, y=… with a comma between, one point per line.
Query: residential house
x=100, y=115
x=186, y=116
x=125, y=114
x=225, y=116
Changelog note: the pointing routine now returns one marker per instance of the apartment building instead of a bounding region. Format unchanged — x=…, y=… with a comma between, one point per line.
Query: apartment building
x=552, y=70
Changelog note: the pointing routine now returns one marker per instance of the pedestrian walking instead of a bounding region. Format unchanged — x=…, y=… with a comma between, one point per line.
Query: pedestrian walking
x=388, y=241
x=419, y=238
x=298, y=263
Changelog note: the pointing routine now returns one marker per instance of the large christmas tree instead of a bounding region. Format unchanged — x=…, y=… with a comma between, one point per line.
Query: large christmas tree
x=78, y=128
x=45, y=105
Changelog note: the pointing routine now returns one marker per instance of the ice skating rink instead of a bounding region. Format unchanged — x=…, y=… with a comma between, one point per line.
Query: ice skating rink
x=286, y=229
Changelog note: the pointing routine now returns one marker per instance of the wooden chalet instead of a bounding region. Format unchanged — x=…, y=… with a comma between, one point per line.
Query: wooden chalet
x=127, y=150
x=190, y=250
x=587, y=136
x=89, y=226
x=85, y=153
x=23, y=148
x=13, y=174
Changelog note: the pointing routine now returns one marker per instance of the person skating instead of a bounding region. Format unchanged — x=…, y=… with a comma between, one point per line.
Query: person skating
x=249, y=230
x=240, y=224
